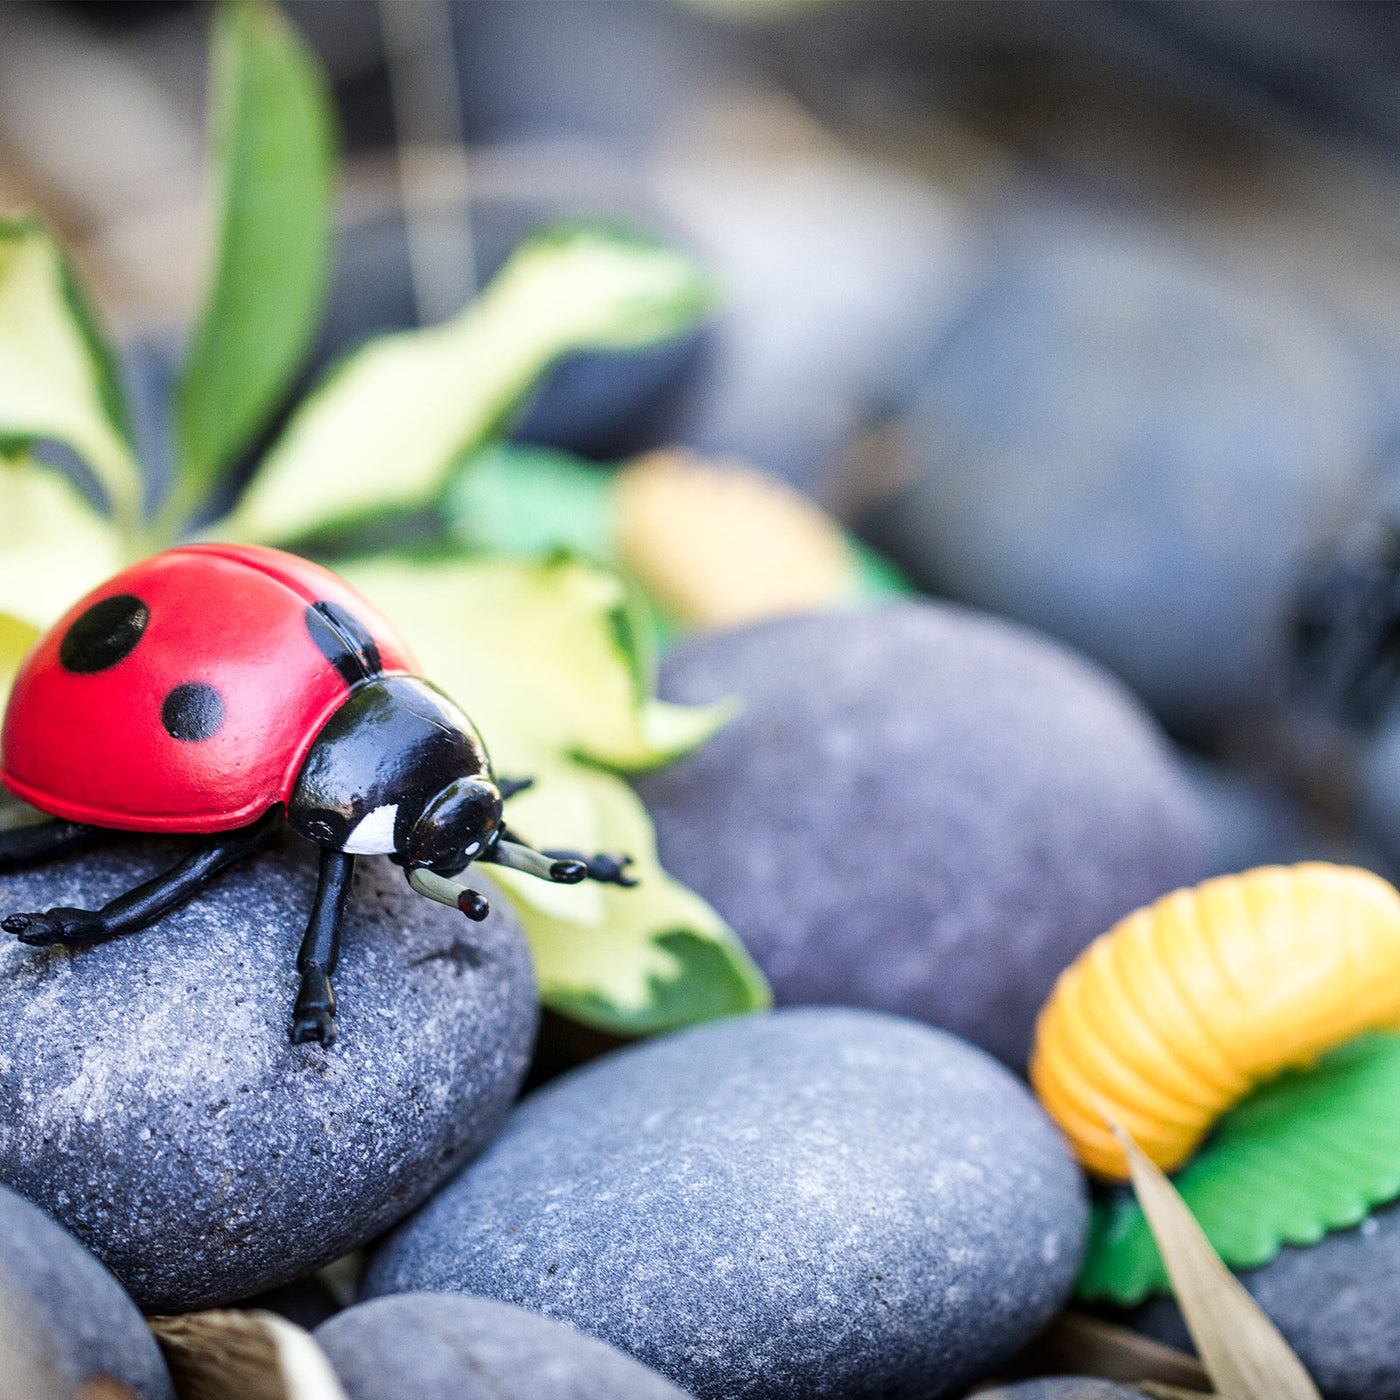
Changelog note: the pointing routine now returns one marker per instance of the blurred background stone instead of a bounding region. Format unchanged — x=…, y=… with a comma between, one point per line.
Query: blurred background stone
x=1123, y=446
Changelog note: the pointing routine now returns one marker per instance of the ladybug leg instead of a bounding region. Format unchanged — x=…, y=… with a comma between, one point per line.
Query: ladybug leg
x=29, y=845
x=560, y=867
x=606, y=869
x=142, y=906
x=313, y=1017
x=508, y=787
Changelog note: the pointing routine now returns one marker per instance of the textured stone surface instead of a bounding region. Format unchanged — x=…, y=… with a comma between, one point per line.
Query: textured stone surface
x=1124, y=446
x=921, y=809
x=434, y=1346
x=1336, y=1303
x=63, y=1318
x=150, y=1098
x=821, y=1202
x=1062, y=1388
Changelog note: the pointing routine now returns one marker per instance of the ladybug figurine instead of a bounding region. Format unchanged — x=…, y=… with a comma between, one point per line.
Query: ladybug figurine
x=220, y=689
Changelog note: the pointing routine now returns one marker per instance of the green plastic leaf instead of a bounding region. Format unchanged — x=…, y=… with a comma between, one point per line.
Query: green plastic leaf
x=384, y=429
x=53, y=545
x=533, y=652
x=514, y=498
x=58, y=377
x=272, y=139
x=1311, y=1151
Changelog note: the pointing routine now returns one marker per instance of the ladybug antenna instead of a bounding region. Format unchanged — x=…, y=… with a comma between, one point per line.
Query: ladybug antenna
x=444, y=891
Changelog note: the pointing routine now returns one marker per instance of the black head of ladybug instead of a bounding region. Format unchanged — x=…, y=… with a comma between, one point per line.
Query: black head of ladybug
x=459, y=823
x=398, y=770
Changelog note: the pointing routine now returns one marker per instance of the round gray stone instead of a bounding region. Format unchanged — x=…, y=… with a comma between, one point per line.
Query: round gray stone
x=1335, y=1302
x=920, y=809
x=151, y=1100
x=64, y=1319
x=820, y=1202
x=1062, y=1388
x=1124, y=444
x=437, y=1346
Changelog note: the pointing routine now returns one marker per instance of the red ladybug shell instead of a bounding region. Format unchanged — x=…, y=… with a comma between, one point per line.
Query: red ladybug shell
x=183, y=694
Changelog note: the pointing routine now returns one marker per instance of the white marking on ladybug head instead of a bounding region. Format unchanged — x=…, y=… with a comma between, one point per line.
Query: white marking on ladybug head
x=373, y=834
x=472, y=849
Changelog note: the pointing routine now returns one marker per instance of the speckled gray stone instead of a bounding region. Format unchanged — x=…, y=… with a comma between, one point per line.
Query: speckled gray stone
x=151, y=1100
x=1062, y=1388
x=921, y=809
x=1337, y=1304
x=437, y=1346
x=63, y=1318
x=818, y=1202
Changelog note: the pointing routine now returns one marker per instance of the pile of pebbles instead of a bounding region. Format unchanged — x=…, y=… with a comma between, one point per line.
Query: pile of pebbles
x=918, y=818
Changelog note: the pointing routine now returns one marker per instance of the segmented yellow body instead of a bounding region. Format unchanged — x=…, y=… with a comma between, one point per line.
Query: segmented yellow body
x=1182, y=1008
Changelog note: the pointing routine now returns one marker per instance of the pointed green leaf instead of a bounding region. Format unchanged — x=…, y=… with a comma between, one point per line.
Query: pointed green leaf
x=53, y=545
x=515, y=498
x=1312, y=1151
x=58, y=377
x=530, y=650
x=272, y=139
x=384, y=429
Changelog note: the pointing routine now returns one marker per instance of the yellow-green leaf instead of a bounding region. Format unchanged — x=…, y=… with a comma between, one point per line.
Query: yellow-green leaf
x=530, y=652
x=57, y=375
x=548, y=649
x=384, y=429
x=272, y=138
x=645, y=959
x=53, y=545
x=16, y=637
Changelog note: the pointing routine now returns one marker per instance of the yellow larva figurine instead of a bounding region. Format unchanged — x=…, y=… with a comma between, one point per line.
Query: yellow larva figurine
x=1179, y=1010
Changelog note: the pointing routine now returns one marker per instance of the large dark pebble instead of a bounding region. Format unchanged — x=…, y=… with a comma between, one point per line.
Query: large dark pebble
x=820, y=1202
x=1336, y=1303
x=1062, y=1388
x=1123, y=444
x=435, y=1346
x=920, y=809
x=64, y=1320
x=151, y=1100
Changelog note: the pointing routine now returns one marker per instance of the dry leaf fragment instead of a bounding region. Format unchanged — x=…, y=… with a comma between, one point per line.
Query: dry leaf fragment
x=1076, y=1344
x=228, y=1355
x=1243, y=1352
x=104, y=1388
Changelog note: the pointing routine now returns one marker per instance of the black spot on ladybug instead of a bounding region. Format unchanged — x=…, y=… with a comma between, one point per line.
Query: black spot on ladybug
x=192, y=711
x=104, y=634
x=344, y=642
